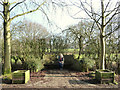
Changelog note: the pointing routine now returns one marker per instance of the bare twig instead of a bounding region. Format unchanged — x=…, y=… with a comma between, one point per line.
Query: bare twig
x=107, y=5
x=115, y=29
x=1, y=15
x=110, y=12
x=28, y=11
x=17, y=4
x=111, y=18
x=98, y=24
x=45, y=14
x=1, y=3
x=92, y=27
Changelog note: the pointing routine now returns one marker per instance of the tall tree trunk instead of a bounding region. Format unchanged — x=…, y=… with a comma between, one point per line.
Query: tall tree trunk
x=98, y=52
x=7, y=38
x=105, y=61
x=119, y=40
x=80, y=47
x=118, y=66
x=50, y=46
x=102, y=37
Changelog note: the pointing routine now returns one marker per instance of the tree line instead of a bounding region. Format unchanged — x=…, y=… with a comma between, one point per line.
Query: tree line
x=104, y=24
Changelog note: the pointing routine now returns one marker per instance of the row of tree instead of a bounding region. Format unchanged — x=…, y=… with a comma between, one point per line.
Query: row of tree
x=87, y=40
x=101, y=19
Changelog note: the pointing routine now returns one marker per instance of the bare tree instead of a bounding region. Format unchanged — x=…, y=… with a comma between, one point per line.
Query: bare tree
x=102, y=18
x=30, y=33
x=7, y=17
x=79, y=32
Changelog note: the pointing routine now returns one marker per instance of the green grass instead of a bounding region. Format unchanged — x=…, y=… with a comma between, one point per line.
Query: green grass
x=81, y=56
x=96, y=56
x=66, y=50
x=71, y=50
x=75, y=52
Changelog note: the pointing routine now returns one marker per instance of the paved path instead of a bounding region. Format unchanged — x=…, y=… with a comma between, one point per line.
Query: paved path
x=58, y=79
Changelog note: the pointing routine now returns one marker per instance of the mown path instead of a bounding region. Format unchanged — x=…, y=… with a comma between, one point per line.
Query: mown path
x=60, y=79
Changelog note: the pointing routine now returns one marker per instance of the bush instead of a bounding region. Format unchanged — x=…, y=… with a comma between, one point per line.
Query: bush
x=16, y=63
x=33, y=64
x=49, y=59
x=76, y=65
x=83, y=65
x=87, y=64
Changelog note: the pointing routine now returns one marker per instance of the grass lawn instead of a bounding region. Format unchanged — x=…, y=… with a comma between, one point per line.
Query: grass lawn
x=81, y=56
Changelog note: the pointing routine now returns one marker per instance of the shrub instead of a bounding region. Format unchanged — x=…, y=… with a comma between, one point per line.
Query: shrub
x=83, y=65
x=87, y=64
x=33, y=64
x=76, y=65
x=49, y=58
x=16, y=63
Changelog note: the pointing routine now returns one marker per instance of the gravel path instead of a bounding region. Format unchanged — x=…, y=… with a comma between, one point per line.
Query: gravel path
x=60, y=79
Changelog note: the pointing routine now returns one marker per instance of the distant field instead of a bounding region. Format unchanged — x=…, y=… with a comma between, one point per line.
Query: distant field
x=112, y=55
x=81, y=56
x=71, y=50
x=76, y=51
x=66, y=50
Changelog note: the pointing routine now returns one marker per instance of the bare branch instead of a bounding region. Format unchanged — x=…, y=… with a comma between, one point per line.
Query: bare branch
x=92, y=27
x=12, y=3
x=61, y=4
x=75, y=4
x=110, y=18
x=115, y=29
x=1, y=15
x=98, y=24
x=17, y=4
x=76, y=17
x=77, y=13
x=45, y=14
x=26, y=6
x=22, y=9
x=1, y=3
x=111, y=12
x=107, y=5
x=28, y=11
x=43, y=11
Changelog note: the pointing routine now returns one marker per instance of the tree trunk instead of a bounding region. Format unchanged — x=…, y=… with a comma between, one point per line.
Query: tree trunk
x=118, y=66
x=80, y=47
x=102, y=39
x=7, y=38
x=50, y=46
x=98, y=52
